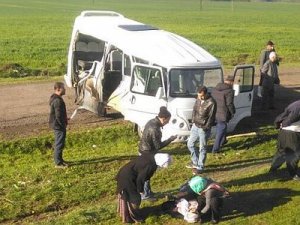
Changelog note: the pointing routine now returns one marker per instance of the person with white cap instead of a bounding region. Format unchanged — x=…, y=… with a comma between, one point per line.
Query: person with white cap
x=130, y=183
x=270, y=77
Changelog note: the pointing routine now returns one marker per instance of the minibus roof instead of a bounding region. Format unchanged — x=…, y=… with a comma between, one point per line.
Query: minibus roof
x=143, y=41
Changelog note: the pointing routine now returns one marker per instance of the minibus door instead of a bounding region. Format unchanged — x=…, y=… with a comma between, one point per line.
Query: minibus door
x=147, y=94
x=243, y=87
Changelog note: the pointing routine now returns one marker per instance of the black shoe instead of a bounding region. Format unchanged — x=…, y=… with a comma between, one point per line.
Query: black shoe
x=191, y=166
x=61, y=166
x=197, y=171
x=214, y=221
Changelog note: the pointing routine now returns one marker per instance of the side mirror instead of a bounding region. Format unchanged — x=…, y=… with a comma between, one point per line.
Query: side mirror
x=159, y=93
x=236, y=88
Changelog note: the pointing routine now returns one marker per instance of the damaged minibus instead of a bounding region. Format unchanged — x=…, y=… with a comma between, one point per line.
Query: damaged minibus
x=136, y=68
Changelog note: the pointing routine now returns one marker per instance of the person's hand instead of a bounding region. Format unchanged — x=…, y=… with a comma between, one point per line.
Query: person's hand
x=173, y=137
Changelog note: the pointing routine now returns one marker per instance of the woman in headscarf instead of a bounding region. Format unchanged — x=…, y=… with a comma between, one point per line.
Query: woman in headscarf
x=130, y=183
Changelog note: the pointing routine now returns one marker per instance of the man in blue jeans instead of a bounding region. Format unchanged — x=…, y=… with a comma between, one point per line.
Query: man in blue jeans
x=224, y=96
x=58, y=122
x=203, y=118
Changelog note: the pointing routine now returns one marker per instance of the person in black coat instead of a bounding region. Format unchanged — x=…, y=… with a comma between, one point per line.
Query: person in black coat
x=288, y=142
x=224, y=97
x=151, y=142
x=130, y=183
x=58, y=121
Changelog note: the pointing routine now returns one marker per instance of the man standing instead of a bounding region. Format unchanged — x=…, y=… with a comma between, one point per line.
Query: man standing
x=58, y=122
x=151, y=141
x=270, y=77
x=288, y=145
x=203, y=118
x=224, y=96
x=264, y=57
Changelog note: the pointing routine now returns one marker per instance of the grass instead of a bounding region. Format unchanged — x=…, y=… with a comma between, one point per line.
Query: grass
x=33, y=192
x=35, y=36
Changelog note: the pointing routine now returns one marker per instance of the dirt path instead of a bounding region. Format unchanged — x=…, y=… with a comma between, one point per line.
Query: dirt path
x=24, y=107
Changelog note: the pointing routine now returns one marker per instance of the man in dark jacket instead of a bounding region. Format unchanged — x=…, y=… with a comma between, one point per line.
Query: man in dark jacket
x=290, y=115
x=151, y=143
x=58, y=122
x=270, y=77
x=224, y=96
x=203, y=118
x=288, y=142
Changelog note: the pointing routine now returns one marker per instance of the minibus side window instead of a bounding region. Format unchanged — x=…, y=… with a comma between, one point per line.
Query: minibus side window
x=146, y=80
x=127, y=65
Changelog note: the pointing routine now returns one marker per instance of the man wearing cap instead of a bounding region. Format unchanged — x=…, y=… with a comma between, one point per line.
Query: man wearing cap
x=269, y=73
x=151, y=143
x=264, y=57
x=203, y=118
x=224, y=96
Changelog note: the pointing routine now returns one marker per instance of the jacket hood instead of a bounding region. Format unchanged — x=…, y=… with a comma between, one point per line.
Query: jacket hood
x=223, y=86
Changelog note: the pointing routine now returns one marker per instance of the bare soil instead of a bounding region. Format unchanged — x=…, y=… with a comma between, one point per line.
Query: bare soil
x=25, y=109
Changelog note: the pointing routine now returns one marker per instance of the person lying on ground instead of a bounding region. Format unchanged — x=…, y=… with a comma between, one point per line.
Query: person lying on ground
x=208, y=195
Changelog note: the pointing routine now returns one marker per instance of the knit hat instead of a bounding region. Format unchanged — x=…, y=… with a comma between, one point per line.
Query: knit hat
x=270, y=43
x=163, y=112
x=162, y=159
x=197, y=184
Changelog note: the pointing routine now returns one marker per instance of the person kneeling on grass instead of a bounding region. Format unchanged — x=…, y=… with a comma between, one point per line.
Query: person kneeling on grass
x=202, y=194
x=130, y=183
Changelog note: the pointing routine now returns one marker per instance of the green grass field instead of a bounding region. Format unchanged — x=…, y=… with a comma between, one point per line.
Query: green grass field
x=35, y=34
x=32, y=191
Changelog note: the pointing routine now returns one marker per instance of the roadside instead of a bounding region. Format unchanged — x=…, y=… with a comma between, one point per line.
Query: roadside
x=24, y=108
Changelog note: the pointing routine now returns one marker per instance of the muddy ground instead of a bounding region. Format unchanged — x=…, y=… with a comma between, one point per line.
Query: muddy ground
x=24, y=108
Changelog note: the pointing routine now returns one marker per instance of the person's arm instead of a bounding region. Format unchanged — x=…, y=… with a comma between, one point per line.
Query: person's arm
x=208, y=197
x=262, y=59
x=212, y=113
x=265, y=68
x=291, y=118
x=156, y=139
x=229, y=98
x=280, y=118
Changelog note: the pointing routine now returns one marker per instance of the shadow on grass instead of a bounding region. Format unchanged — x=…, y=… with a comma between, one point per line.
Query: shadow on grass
x=238, y=164
x=250, y=141
x=101, y=160
x=281, y=175
x=254, y=202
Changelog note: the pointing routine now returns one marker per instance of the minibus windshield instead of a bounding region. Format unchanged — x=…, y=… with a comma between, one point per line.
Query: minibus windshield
x=184, y=82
